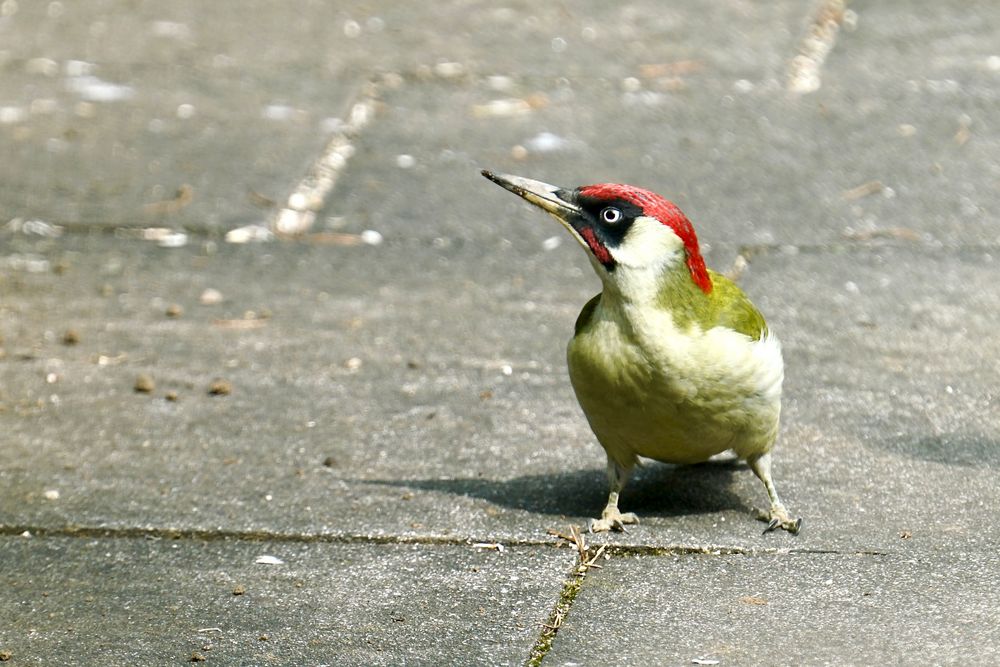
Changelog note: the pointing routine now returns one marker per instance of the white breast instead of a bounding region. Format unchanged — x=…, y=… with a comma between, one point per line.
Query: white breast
x=655, y=390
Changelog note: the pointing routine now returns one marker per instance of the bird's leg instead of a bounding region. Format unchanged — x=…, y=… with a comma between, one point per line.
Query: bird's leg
x=611, y=518
x=778, y=517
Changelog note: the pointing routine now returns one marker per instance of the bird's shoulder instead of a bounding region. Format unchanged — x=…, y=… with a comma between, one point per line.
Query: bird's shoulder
x=730, y=307
x=586, y=314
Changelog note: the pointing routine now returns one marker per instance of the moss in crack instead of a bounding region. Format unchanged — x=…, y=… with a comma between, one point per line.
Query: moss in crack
x=544, y=642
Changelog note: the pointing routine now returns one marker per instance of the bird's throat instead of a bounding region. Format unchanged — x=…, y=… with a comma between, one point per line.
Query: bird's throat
x=601, y=252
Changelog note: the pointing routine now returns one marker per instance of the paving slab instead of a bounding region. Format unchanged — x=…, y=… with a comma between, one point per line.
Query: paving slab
x=790, y=609
x=879, y=149
x=407, y=389
x=140, y=113
x=761, y=169
x=590, y=37
x=121, y=113
x=71, y=601
x=415, y=390
x=924, y=87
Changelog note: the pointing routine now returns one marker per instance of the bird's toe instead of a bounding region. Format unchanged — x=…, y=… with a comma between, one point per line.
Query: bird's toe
x=778, y=517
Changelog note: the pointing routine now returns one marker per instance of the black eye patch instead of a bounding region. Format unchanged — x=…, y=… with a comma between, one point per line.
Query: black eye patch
x=611, y=234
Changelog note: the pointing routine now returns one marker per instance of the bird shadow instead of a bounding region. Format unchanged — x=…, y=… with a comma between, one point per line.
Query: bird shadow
x=655, y=489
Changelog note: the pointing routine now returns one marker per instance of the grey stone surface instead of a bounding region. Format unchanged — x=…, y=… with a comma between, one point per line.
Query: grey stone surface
x=788, y=609
x=889, y=423
x=161, y=601
x=749, y=162
x=416, y=389
x=118, y=105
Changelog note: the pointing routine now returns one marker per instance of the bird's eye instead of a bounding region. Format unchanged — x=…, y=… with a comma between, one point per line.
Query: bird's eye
x=611, y=215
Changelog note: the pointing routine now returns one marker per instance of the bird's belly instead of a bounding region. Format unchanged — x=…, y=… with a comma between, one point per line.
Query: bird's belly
x=638, y=407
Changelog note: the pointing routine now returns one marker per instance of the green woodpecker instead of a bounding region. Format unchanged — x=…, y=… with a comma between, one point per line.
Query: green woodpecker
x=670, y=361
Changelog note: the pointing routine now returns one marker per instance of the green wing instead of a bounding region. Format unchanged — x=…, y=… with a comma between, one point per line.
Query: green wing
x=731, y=308
x=588, y=311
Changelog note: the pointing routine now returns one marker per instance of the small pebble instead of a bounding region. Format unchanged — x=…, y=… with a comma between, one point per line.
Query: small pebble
x=329, y=462
x=500, y=83
x=239, y=590
x=449, y=70
x=197, y=657
x=71, y=337
x=502, y=108
x=269, y=560
x=174, y=310
x=171, y=396
x=51, y=494
x=220, y=387
x=631, y=84
x=552, y=243
x=546, y=142
x=144, y=383
x=352, y=29
x=210, y=297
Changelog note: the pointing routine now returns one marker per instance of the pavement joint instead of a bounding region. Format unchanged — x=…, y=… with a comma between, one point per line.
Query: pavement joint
x=894, y=237
x=560, y=610
x=91, y=532
x=613, y=550
x=575, y=581
x=311, y=193
x=820, y=37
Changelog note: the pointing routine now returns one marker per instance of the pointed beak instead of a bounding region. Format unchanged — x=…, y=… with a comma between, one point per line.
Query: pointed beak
x=551, y=198
x=561, y=205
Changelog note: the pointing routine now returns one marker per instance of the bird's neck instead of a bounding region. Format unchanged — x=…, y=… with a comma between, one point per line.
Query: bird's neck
x=646, y=286
x=666, y=291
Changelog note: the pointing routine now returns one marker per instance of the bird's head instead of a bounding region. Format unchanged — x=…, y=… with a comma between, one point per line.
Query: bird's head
x=626, y=230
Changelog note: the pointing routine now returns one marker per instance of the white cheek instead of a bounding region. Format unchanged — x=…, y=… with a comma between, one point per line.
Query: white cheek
x=648, y=244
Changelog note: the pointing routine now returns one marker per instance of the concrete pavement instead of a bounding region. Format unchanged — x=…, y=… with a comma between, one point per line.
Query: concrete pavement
x=400, y=434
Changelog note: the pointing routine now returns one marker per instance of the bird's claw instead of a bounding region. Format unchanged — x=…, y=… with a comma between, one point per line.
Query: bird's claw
x=613, y=522
x=778, y=518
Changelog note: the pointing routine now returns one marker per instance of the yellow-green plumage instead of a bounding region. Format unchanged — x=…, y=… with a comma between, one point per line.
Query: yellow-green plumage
x=671, y=361
x=675, y=405
x=726, y=305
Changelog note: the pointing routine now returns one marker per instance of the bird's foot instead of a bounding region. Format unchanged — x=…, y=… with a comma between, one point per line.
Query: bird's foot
x=612, y=520
x=778, y=517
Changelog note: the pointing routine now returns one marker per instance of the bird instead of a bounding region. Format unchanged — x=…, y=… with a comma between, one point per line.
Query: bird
x=670, y=361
